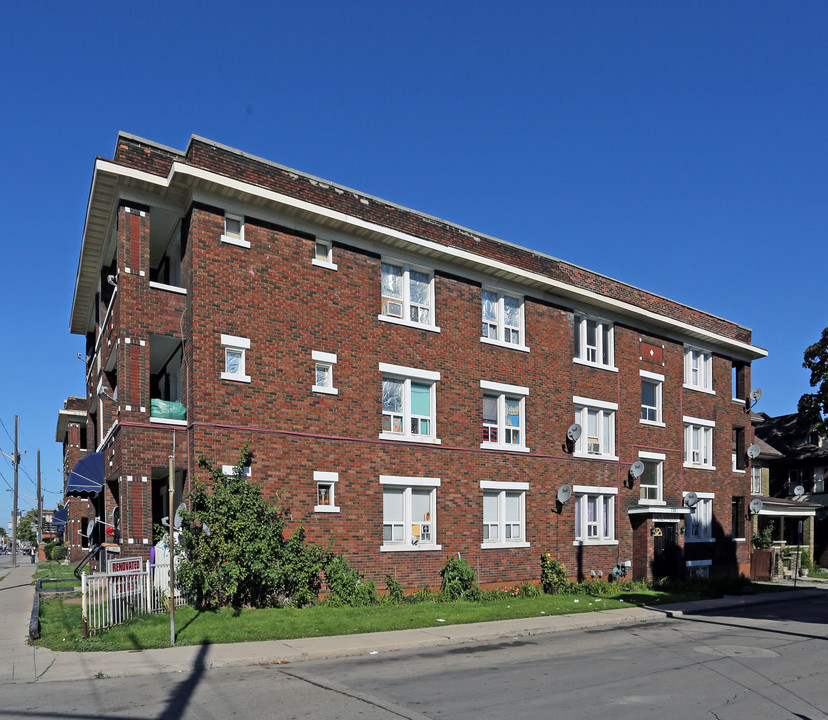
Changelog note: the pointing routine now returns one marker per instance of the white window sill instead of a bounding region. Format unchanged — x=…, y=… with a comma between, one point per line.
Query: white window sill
x=741, y=472
x=699, y=540
x=235, y=241
x=324, y=264
x=503, y=545
x=697, y=388
x=588, y=456
x=408, y=323
x=168, y=288
x=507, y=448
x=503, y=344
x=403, y=547
x=738, y=400
x=600, y=366
x=410, y=438
x=326, y=390
x=690, y=466
x=326, y=508
x=584, y=543
x=654, y=423
x=235, y=378
x=652, y=502
x=738, y=539
x=168, y=421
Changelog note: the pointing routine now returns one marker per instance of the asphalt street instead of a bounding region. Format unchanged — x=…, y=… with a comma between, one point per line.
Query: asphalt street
x=763, y=661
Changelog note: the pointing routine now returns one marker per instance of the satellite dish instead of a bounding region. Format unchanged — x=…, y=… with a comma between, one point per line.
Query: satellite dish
x=573, y=432
x=165, y=521
x=755, y=506
x=616, y=572
x=756, y=395
x=753, y=452
x=90, y=527
x=205, y=529
x=691, y=499
x=637, y=469
x=799, y=490
x=564, y=493
x=177, y=518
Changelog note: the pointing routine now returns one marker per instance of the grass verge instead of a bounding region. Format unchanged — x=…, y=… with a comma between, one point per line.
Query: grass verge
x=51, y=569
x=61, y=620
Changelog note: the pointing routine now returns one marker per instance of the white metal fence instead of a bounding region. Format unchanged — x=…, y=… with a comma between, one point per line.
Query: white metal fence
x=112, y=598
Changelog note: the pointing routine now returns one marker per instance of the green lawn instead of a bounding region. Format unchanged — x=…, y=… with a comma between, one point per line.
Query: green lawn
x=51, y=569
x=61, y=621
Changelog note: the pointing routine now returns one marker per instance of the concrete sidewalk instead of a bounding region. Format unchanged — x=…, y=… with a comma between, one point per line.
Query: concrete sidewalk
x=25, y=663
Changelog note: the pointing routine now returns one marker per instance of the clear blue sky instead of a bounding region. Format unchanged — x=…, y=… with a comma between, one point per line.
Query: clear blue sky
x=677, y=146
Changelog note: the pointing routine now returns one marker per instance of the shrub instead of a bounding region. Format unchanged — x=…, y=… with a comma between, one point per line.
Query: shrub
x=346, y=586
x=763, y=539
x=458, y=578
x=805, y=561
x=58, y=553
x=395, y=590
x=424, y=595
x=553, y=575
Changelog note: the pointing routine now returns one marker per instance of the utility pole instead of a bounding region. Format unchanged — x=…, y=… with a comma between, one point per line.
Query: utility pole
x=15, y=462
x=39, y=507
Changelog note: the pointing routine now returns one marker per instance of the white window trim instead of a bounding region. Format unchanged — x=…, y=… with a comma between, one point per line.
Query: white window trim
x=659, y=381
x=581, y=319
x=582, y=490
x=324, y=359
x=581, y=405
x=501, y=488
x=653, y=457
x=521, y=346
x=239, y=241
x=502, y=390
x=757, y=468
x=230, y=469
x=401, y=372
x=707, y=359
x=167, y=288
x=702, y=423
x=701, y=496
x=326, y=477
x=407, y=482
x=407, y=268
x=231, y=342
x=328, y=264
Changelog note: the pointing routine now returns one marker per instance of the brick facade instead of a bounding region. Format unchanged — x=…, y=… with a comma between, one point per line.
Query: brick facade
x=268, y=292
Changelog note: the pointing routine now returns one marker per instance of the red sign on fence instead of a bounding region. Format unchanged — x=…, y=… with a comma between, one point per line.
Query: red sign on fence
x=124, y=566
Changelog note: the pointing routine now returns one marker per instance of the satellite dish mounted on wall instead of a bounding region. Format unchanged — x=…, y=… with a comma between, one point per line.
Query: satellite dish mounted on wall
x=637, y=469
x=691, y=499
x=177, y=519
x=564, y=493
x=754, y=397
x=753, y=452
x=573, y=432
x=755, y=506
x=799, y=491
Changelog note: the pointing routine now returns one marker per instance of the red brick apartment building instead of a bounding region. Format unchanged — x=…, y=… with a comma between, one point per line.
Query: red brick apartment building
x=406, y=385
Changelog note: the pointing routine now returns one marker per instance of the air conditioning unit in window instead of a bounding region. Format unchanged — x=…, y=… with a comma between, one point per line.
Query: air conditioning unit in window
x=392, y=309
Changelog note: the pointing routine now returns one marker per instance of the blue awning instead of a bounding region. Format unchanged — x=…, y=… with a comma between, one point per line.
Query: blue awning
x=87, y=477
x=60, y=518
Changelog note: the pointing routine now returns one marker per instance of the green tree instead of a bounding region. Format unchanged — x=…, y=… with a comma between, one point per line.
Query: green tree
x=27, y=527
x=242, y=558
x=814, y=406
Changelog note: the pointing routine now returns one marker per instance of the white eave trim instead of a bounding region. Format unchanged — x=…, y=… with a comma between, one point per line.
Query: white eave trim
x=555, y=286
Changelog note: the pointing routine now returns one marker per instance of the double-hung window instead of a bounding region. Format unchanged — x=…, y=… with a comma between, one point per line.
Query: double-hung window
x=407, y=295
x=504, y=416
x=597, y=421
x=408, y=404
x=235, y=358
x=594, y=515
x=698, y=369
x=409, y=513
x=755, y=479
x=651, y=482
x=234, y=231
x=594, y=342
x=698, y=443
x=502, y=320
x=651, y=392
x=504, y=514
x=323, y=372
x=699, y=522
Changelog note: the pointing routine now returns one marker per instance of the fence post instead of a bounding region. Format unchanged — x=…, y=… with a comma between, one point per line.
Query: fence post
x=149, y=590
x=83, y=604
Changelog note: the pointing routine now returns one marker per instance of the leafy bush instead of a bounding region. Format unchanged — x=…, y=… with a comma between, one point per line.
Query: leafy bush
x=458, y=578
x=243, y=559
x=424, y=595
x=553, y=575
x=396, y=595
x=763, y=539
x=346, y=586
x=58, y=553
x=805, y=561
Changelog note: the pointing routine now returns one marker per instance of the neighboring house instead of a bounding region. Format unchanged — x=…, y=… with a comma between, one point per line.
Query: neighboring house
x=405, y=384
x=797, y=479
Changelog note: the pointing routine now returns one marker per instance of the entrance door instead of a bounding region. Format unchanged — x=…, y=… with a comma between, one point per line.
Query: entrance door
x=665, y=550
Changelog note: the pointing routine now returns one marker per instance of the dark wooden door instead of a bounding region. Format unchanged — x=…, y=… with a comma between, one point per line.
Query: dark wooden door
x=665, y=550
